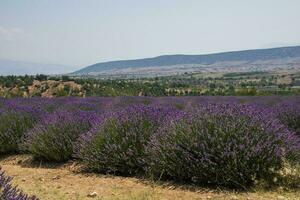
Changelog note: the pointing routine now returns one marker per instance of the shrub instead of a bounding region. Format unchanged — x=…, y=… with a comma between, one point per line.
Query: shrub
x=227, y=145
x=13, y=125
x=289, y=114
x=117, y=143
x=53, y=138
x=8, y=192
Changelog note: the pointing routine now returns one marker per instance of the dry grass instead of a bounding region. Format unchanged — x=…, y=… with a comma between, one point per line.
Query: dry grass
x=67, y=183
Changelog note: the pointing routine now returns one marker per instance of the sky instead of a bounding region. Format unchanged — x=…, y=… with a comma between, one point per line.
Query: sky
x=78, y=33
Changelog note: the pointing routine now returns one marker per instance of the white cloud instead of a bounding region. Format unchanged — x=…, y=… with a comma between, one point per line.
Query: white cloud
x=10, y=33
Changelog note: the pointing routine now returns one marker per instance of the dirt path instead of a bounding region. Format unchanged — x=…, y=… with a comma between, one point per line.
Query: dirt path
x=62, y=182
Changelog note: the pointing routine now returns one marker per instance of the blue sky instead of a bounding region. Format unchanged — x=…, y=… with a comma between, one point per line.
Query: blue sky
x=83, y=32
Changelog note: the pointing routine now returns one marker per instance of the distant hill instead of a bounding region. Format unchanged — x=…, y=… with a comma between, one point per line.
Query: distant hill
x=10, y=67
x=180, y=63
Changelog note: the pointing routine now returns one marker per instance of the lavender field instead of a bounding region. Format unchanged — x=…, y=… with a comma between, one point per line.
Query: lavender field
x=219, y=141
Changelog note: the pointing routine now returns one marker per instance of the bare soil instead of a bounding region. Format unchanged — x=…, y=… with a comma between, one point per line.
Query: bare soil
x=67, y=182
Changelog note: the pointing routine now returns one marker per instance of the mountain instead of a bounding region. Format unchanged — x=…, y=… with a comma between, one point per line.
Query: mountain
x=189, y=63
x=10, y=67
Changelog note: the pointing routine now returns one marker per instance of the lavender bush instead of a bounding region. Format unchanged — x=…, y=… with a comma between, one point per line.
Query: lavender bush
x=53, y=138
x=8, y=192
x=117, y=144
x=289, y=114
x=13, y=125
x=228, y=145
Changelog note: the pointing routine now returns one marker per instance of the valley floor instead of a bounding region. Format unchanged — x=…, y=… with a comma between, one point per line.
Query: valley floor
x=65, y=182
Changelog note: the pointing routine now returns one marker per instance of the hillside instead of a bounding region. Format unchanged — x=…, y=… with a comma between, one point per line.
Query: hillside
x=243, y=60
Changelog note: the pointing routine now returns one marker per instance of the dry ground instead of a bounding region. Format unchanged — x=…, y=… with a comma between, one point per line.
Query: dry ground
x=67, y=183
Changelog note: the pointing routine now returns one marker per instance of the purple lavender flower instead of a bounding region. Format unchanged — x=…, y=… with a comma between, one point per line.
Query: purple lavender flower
x=117, y=143
x=54, y=136
x=225, y=144
x=8, y=192
x=13, y=125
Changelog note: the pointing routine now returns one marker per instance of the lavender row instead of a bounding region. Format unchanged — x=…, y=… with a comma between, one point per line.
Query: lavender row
x=226, y=141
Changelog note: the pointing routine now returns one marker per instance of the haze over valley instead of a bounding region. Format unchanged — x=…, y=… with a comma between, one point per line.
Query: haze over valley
x=12, y=67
